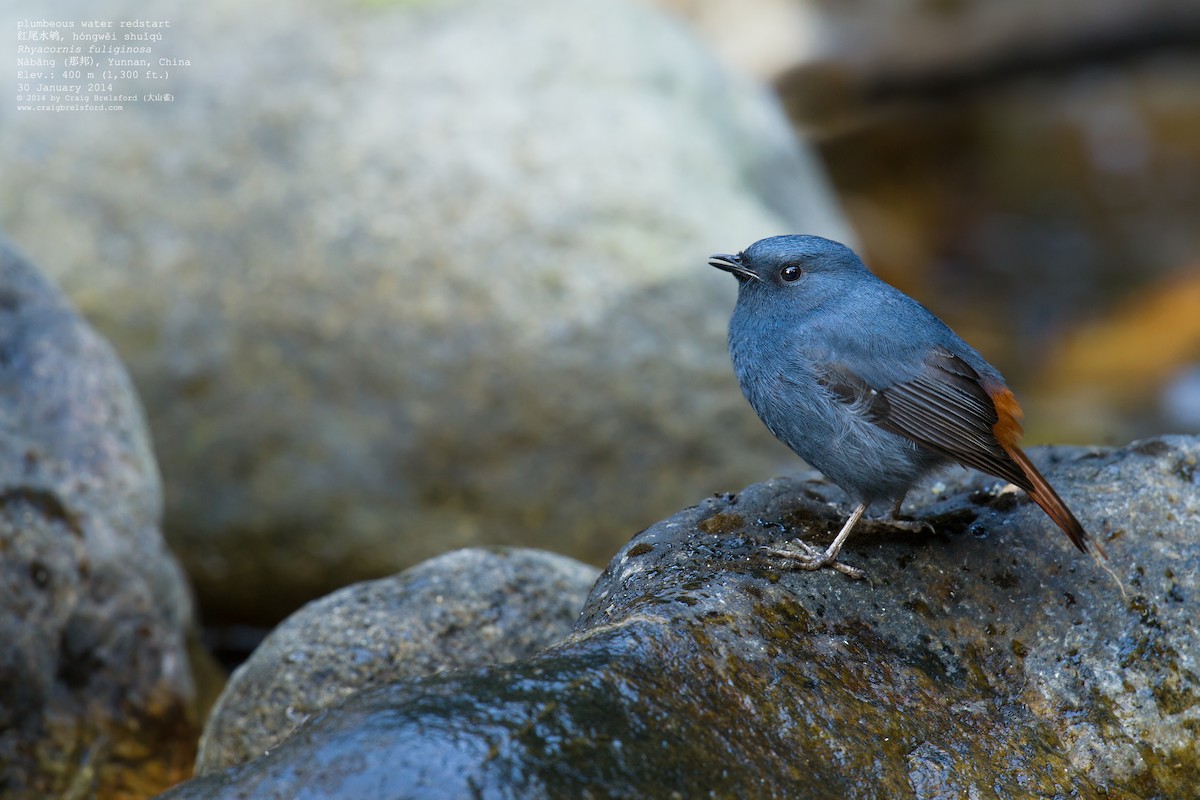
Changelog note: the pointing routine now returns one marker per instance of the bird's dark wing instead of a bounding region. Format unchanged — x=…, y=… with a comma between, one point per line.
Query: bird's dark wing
x=946, y=407
x=953, y=410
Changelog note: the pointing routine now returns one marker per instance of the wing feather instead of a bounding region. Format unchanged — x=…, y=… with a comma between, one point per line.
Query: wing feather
x=945, y=408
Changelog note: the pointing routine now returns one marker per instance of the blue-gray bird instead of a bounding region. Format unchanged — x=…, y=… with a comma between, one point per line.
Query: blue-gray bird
x=866, y=384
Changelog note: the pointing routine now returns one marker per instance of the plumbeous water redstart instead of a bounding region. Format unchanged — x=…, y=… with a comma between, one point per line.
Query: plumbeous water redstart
x=866, y=384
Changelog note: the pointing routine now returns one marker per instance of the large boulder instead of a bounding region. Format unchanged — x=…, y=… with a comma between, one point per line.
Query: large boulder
x=989, y=658
x=397, y=278
x=96, y=690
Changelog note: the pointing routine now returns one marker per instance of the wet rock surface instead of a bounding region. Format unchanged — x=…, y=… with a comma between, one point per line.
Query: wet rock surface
x=986, y=659
x=461, y=609
x=96, y=688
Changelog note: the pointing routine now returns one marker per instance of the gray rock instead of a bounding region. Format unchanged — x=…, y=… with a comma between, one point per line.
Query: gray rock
x=462, y=609
x=95, y=684
x=420, y=277
x=987, y=659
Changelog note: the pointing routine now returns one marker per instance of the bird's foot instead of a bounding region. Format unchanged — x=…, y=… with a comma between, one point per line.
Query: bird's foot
x=894, y=520
x=910, y=525
x=797, y=554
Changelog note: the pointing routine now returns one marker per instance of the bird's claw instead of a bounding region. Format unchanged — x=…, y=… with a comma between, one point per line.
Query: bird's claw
x=801, y=555
x=911, y=525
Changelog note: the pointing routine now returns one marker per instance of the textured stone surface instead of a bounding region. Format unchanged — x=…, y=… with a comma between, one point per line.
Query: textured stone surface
x=424, y=283
x=989, y=659
x=96, y=691
x=462, y=609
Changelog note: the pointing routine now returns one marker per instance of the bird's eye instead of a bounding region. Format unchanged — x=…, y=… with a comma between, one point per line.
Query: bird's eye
x=790, y=273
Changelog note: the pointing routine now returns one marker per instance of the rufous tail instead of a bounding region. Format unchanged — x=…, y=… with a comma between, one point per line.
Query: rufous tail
x=1044, y=495
x=1007, y=429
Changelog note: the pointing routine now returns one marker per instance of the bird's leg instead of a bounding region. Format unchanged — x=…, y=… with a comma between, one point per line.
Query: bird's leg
x=809, y=558
x=910, y=525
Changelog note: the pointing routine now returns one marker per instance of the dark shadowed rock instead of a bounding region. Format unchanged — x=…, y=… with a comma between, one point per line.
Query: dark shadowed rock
x=96, y=691
x=462, y=609
x=988, y=659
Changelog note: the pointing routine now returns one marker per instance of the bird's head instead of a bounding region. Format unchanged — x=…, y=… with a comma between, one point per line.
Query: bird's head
x=791, y=267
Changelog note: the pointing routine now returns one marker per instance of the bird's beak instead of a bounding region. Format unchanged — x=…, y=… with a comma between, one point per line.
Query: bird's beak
x=733, y=264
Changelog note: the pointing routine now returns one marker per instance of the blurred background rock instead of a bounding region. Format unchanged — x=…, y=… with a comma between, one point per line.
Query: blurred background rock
x=395, y=278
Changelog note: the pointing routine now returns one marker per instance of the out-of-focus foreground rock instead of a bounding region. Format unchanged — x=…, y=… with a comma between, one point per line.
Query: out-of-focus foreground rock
x=96, y=690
